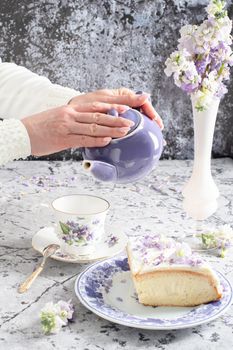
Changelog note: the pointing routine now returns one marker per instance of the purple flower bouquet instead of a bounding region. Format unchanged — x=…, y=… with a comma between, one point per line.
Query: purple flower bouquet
x=204, y=56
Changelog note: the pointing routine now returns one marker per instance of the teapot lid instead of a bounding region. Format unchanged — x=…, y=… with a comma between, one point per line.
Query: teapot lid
x=130, y=114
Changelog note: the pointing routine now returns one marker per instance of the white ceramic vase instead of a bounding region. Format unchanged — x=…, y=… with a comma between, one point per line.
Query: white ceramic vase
x=201, y=193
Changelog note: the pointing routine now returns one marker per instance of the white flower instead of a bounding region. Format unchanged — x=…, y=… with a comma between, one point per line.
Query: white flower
x=177, y=79
x=66, y=309
x=223, y=28
x=204, y=56
x=54, y=316
x=224, y=73
x=184, y=70
x=223, y=53
x=210, y=83
x=191, y=73
x=215, y=7
x=202, y=99
x=187, y=39
x=188, y=30
x=182, y=250
x=225, y=232
x=205, y=37
x=220, y=238
x=189, y=79
x=177, y=62
x=225, y=24
x=51, y=308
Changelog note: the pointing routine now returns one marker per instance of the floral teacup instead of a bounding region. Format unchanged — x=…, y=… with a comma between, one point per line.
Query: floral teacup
x=80, y=222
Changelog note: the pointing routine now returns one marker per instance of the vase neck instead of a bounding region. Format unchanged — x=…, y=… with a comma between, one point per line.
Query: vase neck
x=204, y=124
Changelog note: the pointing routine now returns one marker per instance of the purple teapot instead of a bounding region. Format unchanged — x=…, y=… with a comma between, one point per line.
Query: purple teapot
x=128, y=158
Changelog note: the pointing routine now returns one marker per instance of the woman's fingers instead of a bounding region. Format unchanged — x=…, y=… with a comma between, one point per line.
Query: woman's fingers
x=75, y=141
x=138, y=100
x=146, y=106
x=116, y=92
x=131, y=100
x=97, y=130
x=102, y=119
x=106, y=99
x=100, y=107
x=122, y=96
x=149, y=110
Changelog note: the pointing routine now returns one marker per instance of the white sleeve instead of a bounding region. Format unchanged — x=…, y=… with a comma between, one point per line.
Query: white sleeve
x=14, y=141
x=23, y=93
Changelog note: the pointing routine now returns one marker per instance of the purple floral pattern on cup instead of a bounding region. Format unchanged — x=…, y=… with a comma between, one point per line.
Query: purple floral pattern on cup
x=80, y=223
x=76, y=233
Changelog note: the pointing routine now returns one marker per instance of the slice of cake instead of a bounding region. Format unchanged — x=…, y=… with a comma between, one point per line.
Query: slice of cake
x=168, y=273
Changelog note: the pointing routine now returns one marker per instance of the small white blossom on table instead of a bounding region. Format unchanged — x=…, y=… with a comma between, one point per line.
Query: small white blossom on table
x=54, y=316
x=220, y=239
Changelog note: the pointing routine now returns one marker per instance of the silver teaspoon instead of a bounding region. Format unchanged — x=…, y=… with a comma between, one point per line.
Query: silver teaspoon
x=47, y=252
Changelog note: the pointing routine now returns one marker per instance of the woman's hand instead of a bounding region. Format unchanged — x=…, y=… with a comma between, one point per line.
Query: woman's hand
x=71, y=126
x=84, y=122
x=120, y=96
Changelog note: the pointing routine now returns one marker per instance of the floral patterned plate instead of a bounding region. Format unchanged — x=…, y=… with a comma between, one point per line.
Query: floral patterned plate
x=112, y=243
x=106, y=288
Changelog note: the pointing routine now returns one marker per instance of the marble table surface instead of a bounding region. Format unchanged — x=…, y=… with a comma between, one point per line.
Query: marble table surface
x=151, y=205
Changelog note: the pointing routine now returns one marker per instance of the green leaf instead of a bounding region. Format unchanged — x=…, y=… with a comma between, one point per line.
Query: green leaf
x=80, y=240
x=65, y=228
x=208, y=240
x=221, y=69
x=223, y=253
x=47, y=321
x=200, y=108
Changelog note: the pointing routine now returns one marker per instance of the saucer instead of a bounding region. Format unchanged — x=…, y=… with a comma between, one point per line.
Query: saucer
x=113, y=242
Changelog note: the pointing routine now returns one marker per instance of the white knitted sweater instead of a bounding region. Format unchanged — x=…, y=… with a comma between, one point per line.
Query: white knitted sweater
x=23, y=93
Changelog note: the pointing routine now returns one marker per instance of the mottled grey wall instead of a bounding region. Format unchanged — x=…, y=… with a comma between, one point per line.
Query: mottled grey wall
x=89, y=45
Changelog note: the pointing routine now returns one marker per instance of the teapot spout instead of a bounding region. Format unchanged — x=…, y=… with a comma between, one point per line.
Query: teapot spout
x=100, y=170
